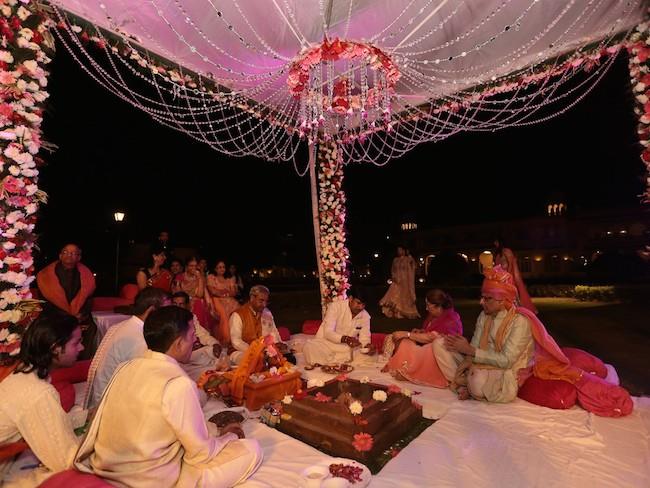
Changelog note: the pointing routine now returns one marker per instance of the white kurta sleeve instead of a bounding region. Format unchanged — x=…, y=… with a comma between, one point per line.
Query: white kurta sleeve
x=181, y=409
x=205, y=338
x=364, y=332
x=48, y=430
x=236, y=326
x=331, y=321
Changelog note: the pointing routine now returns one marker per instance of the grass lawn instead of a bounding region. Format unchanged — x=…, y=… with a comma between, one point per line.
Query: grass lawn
x=617, y=333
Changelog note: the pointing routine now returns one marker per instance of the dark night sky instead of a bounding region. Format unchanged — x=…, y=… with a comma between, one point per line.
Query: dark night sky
x=111, y=155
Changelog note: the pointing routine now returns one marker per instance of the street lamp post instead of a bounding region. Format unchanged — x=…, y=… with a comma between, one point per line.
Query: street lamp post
x=119, y=218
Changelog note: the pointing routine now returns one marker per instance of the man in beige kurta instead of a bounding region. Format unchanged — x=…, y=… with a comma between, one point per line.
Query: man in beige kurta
x=149, y=430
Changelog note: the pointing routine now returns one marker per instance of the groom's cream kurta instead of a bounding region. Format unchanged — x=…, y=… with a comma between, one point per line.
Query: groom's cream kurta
x=149, y=431
x=326, y=348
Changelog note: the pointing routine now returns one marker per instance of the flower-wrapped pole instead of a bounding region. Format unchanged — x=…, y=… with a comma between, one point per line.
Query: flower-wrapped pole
x=331, y=216
x=22, y=93
x=639, y=54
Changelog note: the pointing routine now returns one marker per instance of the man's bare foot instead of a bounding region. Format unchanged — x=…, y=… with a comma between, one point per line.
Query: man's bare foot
x=463, y=393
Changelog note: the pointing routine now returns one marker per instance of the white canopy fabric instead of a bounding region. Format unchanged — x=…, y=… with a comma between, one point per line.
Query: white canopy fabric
x=439, y=46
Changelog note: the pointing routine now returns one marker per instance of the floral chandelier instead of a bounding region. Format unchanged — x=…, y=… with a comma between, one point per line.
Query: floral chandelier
x=331, y=97
x=377, y=76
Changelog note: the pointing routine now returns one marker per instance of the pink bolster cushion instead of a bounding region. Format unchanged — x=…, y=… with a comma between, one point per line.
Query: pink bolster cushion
x=285, y=335
x=585, y=361
x=602, y=398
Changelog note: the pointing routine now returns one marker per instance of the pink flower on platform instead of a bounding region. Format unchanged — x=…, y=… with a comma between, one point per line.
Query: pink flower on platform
x=319, y=397
x=394, y=389
x=362, y=442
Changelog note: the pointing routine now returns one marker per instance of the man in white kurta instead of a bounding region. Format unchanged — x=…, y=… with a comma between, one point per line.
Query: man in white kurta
x=122, y=342
x=345, y=326
x=30, y=408
x=149, y=430
x=206, y=350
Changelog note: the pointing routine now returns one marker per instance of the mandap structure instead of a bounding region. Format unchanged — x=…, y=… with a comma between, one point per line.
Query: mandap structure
x=351, y=80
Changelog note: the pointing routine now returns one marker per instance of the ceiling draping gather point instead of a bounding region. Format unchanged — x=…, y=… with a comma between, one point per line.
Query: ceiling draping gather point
x=251, y=77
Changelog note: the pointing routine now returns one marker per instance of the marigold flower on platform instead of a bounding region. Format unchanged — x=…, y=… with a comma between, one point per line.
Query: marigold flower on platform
x=287, y=399
x=406, y=392
x=364, y=380
x=362, y=442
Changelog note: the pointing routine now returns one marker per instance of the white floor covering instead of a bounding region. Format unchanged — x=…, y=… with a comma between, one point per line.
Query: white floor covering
x=475, y=444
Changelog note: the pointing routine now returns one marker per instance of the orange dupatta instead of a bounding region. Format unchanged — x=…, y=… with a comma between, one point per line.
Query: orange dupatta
x=53, y=292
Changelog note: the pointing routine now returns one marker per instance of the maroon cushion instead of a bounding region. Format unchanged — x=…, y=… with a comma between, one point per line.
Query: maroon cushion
x=67, y=395
x=78, y=373
x=107, y=304
x=377, y=339
x=310, y=326
x=556, y=394
x=285, y=335
x=71, y=478
x=129, y=291
x=585, y=361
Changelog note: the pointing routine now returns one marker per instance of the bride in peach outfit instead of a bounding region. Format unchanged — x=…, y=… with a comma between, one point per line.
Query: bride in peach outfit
x=414, y=359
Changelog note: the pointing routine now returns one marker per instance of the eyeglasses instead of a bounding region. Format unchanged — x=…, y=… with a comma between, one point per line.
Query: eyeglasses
x=428, y=303
x=489, y=299
x=70, y=253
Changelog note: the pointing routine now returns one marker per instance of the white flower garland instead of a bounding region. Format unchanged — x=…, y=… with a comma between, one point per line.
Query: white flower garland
x=331, y=215
x=22, y=92
x=639, y=52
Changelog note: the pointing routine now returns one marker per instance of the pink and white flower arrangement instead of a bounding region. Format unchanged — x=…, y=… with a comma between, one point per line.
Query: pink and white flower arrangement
x=22, y=92
x=639, y=65
x=331, y=216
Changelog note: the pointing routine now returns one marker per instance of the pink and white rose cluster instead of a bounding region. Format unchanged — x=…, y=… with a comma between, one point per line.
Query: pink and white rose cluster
x=639, y=64
x=331, y=215
x=23, y=81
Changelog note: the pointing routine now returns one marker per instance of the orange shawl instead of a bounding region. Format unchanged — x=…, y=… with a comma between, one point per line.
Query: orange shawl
x=53, y=292
x=250, y=363
x=251, y=323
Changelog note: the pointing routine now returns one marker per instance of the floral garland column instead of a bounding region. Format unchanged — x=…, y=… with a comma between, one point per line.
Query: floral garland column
x=331, y=213
x=639, y=53
x=23, y=80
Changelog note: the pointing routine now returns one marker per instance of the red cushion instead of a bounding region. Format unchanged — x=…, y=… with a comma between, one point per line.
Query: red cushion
x=377, y=339
x=78, y=373
x=67, y=395
x=129, y=291
x=585, y=361
x=71, y=478
x=310, y=326
x=285, y=335
x=107, y=304
x=556, y=394
x=9, y=451
x=602, y=398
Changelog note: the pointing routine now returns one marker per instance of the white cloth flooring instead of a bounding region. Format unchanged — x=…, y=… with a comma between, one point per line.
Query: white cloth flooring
x=475, y=444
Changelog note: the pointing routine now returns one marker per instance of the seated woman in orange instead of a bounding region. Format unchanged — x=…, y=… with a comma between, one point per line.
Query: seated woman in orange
x=222, y=291
x=415, y=359
x=191, y=281
x=155, y=275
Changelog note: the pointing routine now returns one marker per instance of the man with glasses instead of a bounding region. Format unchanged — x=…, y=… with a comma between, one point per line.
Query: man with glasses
x=251, y=321
x=68, y=285
x=502, y=344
